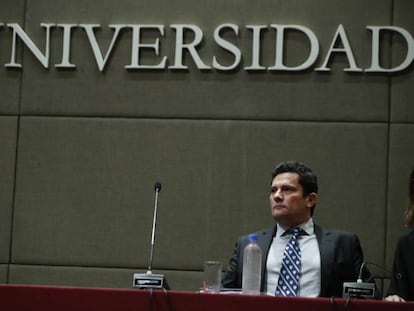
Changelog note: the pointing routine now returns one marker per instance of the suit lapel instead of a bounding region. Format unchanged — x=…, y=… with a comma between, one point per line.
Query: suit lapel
x=326, y=250
x=265, y=240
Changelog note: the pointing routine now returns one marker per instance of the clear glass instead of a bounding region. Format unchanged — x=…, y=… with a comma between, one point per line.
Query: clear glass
x=212, y=276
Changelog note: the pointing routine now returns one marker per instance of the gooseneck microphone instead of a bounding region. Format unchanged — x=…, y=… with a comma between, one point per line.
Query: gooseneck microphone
x=150, y=280
x=364, y=289
x=394, y=275
x=157, y=188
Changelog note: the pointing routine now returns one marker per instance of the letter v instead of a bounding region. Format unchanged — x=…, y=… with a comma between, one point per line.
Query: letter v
x=89, y=29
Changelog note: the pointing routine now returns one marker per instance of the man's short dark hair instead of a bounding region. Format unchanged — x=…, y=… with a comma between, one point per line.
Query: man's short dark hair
x=307, y=178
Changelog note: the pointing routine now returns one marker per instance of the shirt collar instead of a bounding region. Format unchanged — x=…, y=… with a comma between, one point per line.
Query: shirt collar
x=307, y=227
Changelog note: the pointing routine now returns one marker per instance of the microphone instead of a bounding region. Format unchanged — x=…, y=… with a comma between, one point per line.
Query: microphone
x=393, y=275
x=157, y=188
x=150, y=280
x=361, y=289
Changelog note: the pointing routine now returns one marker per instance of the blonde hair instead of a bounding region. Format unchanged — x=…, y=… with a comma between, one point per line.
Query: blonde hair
x=409, y=213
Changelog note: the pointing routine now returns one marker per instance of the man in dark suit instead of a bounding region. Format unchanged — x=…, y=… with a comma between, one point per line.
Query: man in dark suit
x=328, y=257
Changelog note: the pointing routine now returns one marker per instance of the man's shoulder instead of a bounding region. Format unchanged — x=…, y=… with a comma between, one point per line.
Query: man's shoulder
x=260, y=233
x=334, y=232
x=265, y=231
x=407, y=238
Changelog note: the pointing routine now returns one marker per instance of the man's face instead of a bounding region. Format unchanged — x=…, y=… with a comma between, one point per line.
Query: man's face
x=289, y=206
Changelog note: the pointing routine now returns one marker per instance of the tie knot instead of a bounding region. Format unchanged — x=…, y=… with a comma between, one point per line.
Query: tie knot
x=295, y=231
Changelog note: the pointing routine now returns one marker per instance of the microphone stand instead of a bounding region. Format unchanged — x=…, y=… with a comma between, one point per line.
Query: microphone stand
x=150, y=280
x=154, y=222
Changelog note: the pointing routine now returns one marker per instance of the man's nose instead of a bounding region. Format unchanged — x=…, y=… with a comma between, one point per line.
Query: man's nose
x=278, y=195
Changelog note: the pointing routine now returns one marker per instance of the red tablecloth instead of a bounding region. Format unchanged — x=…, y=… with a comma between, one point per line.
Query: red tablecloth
x=53, y=298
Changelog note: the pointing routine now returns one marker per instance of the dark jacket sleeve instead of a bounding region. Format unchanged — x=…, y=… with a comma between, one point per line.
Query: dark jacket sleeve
x=232, y=276
x=403, y=285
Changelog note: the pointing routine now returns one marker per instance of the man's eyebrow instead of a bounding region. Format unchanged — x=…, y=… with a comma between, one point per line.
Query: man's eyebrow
x=283, y=186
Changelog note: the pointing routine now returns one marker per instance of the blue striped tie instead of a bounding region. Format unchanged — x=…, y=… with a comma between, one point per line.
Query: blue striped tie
x=288, y=283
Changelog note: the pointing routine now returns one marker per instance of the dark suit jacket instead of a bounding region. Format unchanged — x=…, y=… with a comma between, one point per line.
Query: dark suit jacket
x=403, y=264
x=340, y=252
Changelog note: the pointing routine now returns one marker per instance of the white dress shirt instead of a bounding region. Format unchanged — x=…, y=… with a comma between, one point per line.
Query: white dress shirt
x=310, y=280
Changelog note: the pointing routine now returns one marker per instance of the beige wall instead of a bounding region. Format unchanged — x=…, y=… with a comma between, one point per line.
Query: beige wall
x=80, y=149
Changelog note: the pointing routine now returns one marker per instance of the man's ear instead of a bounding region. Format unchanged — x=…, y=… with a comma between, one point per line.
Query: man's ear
x=311, y=199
